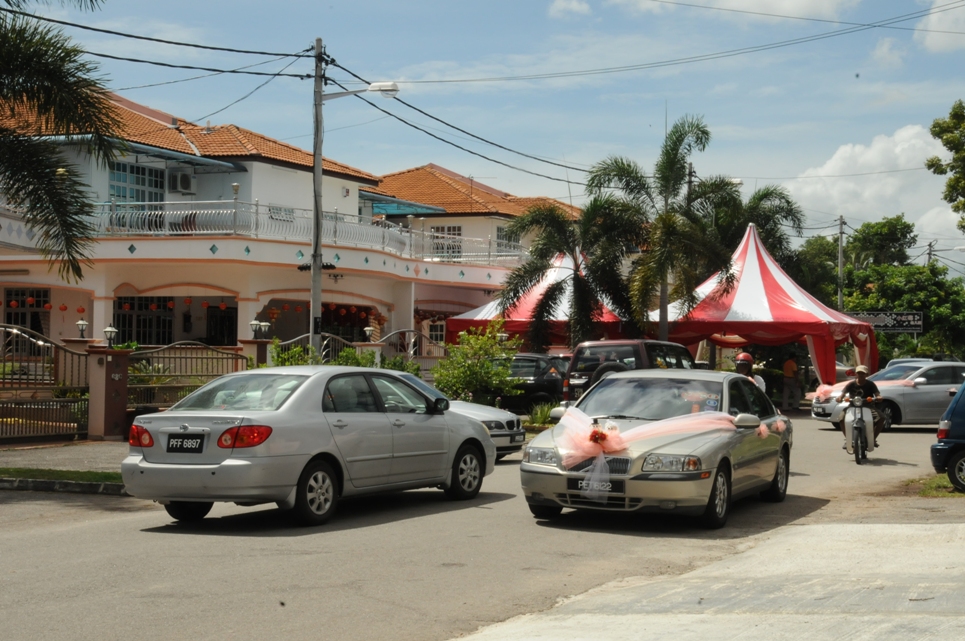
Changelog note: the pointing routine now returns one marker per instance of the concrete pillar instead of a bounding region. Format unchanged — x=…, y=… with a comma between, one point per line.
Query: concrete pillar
x=107, y=375
x=403, y=297
x=101, y=314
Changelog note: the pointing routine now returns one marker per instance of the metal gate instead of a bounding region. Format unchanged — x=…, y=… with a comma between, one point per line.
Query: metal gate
x=161, y=377
x=44, y=388
x=296, y=351
x=416, y=347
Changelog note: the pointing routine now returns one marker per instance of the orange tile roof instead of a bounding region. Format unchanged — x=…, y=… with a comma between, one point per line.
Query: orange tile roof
x=148, y=126
x=457, y=194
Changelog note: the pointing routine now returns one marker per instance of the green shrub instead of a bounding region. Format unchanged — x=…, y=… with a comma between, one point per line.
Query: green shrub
x=540, y=414
x=478, y=368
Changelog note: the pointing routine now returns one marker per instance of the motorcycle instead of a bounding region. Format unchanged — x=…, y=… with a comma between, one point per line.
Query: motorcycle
x=859, y=425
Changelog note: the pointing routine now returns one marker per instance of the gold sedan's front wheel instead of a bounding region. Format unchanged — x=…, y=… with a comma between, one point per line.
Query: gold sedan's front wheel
x=718, y=505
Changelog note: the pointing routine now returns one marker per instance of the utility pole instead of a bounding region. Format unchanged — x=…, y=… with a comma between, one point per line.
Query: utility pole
x=317, y=218
x=840, y=263
x=931, y=250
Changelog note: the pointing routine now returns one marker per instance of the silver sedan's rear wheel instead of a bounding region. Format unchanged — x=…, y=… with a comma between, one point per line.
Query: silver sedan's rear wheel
x=467, y=474
x=718, y=506
x=188, y=511
x=317, y=494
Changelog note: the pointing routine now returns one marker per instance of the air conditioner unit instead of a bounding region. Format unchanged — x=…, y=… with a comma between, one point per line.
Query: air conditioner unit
x=181, y=182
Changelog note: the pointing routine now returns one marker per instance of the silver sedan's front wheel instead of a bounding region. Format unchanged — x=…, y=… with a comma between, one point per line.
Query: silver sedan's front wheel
x=317, y=494
x=467, y=474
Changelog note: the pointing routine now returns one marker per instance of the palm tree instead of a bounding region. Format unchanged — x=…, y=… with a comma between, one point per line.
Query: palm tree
x=47, y=88
x=681, y=245
x=598, y=242
x=772, y=210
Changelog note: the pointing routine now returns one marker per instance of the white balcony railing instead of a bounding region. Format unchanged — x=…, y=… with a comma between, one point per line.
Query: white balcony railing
x=220, y=218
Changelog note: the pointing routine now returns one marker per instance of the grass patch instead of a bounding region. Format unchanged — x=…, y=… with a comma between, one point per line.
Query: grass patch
x=934, y=486
x=60, y=475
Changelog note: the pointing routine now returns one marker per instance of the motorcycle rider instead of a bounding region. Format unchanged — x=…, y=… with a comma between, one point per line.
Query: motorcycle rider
x=744, y=363
x=863, y=388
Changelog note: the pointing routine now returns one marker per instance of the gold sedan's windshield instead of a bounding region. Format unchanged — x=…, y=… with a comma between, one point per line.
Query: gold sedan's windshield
x=651, y=399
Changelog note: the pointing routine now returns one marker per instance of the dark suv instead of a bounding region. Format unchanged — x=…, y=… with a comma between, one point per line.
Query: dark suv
x=540, y=379
x=595, y=359
x=948, y=454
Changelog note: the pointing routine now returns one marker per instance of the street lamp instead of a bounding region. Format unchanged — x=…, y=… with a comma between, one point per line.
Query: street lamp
x=255, y=326
x=82, y=326
x=388, y=90
x=264, y=328
x=369, y=330
x=110, y=333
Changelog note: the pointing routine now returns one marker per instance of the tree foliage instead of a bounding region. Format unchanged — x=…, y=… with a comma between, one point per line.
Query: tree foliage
x=681, y=246
x=597, y=242
x=478, y=368
x=46, y=86
x=951, y=133
x=814, y=266
x=772, y=210
x=882, y=243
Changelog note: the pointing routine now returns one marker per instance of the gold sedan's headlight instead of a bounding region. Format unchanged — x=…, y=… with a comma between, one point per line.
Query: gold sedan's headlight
x=541, y=456
x=670, y=463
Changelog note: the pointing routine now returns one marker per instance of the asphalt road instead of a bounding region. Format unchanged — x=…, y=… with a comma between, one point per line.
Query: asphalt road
x=404, y=566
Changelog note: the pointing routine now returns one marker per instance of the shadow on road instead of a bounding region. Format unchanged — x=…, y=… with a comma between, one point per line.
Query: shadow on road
x=352, y=514
x=748, y=517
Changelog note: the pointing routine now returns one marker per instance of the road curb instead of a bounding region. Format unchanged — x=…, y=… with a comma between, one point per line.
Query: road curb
x=75, y=487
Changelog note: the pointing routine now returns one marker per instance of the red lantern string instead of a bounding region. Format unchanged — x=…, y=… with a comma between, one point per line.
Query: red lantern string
x=205, y=304
x=331, y=306
x=285, y=307
x=81, y=310
x=62, y=307
x=31, y=300
x=352, y=309
x=170, y=304
x=187, y=301
x=48, y=306
x=14, y=304
x=126, y=307
x=223, y=306
x=298, y=309
x=153, y=307
x=362, y=315
x=341, y=312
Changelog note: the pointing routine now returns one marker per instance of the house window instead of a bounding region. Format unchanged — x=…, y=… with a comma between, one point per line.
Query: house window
x=29, y=314
x=447, y=240
x=278, y=212
x=505, y=242
x=132, y=183
x=146, y=320
x=437, y=332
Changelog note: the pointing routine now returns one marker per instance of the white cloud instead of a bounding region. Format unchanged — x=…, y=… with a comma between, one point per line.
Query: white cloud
x=803, y=8
x=566, y=8
x=953, y=20
x=870, y=198
x=888, y=53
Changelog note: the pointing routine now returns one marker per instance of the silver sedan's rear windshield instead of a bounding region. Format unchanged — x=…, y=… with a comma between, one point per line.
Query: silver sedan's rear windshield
x=257, y=391
x=651, y=399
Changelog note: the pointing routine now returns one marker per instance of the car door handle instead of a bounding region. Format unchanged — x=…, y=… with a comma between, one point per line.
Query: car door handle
x=398, y=423
x=340, y=424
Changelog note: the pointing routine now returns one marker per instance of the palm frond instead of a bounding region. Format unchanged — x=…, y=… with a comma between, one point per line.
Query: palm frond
x=625, y=175
x=520, y=281
x=543, y=314
x=687, y=135
x=584, y=309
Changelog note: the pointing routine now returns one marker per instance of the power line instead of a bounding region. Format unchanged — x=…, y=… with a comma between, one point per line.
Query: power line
x=699, y=58
x=806, y=19
x=149, y=39
x=460, y=147
x=249, y=94
x=173, y=66
x=463, y=131
x=207, y=75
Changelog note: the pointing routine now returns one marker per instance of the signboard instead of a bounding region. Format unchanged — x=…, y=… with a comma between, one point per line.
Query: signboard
x=892, y=322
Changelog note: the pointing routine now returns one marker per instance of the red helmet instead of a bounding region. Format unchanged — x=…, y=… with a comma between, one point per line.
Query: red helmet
x=744, y=357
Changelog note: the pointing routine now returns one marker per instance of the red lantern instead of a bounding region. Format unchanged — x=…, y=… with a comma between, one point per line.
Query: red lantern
x=273, y=313
x=170, y=304
x=62, y=307
x=352, y=309
x=285, y=307
x=152, y=307
x=126, y=307
x=205, y=304
x=30, y=300
x=223, y=306
x=362, y=315
x=298, y=309
x=331, y=306
x=341, y=312
x=48, y=306
x=187, y=301
x=81, y=310
x=14, y=304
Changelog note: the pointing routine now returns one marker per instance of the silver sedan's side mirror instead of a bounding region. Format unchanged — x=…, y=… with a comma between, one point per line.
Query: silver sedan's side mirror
x=747, y=421
x=440, y=405
x=921, y=380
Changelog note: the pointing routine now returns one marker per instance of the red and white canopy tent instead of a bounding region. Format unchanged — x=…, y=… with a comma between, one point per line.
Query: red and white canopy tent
x=518, y=319
x=766, y=307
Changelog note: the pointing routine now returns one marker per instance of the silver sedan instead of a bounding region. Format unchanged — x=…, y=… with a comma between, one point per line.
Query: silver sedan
x=303, y=437
x=694, y=467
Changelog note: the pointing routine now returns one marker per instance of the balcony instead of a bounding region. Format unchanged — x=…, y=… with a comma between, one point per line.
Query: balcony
x=221, y=218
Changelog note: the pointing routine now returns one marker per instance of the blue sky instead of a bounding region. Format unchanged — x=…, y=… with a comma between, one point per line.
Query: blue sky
x=854, y=103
